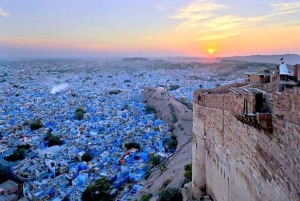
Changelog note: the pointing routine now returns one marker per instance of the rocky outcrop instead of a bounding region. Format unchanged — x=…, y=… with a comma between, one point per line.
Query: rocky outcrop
x=179, y=119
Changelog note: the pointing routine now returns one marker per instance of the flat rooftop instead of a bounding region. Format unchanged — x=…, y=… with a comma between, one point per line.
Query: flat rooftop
x=7, y=185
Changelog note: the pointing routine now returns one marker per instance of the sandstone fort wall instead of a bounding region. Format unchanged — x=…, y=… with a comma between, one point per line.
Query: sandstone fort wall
x=236, y=161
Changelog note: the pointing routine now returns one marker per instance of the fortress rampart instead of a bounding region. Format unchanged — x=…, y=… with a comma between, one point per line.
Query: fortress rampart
x=246, y=143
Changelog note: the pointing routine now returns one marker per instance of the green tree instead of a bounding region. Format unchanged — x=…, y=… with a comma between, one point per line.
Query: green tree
x=173, y=142
x=99, y=191
x=149, y=109
x=170, y=194
x=188, y=173
x=24, y=146
x=18, y=154
x=36, y=124
x=114, y=92
x=3, y=175
x=174, y=87
x=87, y=157
x=79, y=114
x=53, y=139
x=155, y=160
x=132, y=145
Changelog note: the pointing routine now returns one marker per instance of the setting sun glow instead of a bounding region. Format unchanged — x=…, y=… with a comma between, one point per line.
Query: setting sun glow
x=210, y=28
x=211, y=50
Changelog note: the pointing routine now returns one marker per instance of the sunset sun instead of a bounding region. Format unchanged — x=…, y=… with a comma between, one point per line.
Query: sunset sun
x=211, y=50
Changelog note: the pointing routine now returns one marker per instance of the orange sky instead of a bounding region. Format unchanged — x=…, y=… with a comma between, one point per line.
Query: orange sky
x=156, y=28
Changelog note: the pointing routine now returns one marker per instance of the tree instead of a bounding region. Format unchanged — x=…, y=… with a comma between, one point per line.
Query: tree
x=36, y=124
x=24, y=146
x=174, y=87
x=132, y=145
x=149, y=109
x=18, y=154
x=79, y=114
x=170, y=194
x=3, y=175
x=172, y=143
x=53, y=139
x=99, y=191
x=155, y=160
x=87, y=157
x=114, y=92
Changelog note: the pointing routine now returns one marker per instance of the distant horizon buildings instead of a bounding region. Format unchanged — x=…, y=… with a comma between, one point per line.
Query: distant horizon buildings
x=290, y=59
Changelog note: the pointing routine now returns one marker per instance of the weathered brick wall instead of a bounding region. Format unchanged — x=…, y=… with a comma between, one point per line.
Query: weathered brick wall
x=287, y=106
x=230, y=101
x=198, y=151
x=242, y=162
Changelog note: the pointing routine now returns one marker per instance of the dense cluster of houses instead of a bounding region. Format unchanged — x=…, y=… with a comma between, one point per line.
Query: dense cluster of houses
x=114, y=115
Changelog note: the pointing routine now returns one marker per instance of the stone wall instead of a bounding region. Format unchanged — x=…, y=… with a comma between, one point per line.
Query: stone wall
x=230, y=101
x=236, y=161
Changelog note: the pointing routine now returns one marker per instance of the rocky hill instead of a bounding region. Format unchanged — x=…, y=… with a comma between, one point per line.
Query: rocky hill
x=179, y=119
x=291, y=59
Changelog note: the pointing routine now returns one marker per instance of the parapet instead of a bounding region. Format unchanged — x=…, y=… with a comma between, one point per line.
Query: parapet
x=249, y=105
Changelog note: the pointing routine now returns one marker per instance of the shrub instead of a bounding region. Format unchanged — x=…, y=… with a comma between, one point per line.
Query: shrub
x=173, y=142
x=149, y=109
x=174, y=119
x=166, y=183
x=36, y=124
x=170, y=194
x=114, y=92
x=188, y=173
x=53, y=140
x=87, y=157
x=183, y=100
x=188, y=167
x=173, y=114
x=174, y=87
x=99, y=191
x=146, y=197
x=155, y=160
x=132, y=145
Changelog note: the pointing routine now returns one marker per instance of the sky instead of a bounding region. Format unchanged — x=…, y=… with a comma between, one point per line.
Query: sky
x=151, y=28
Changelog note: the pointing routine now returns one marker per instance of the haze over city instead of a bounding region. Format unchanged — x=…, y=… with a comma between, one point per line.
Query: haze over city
x=198, y=28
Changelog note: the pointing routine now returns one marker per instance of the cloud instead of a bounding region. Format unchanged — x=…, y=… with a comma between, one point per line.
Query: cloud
x=159, y=7
x=217, y=36
x=3, y=13
x=284, y=8
x=197, y=12
x=209, y=20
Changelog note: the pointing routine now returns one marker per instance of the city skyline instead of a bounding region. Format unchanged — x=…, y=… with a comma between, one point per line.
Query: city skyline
x=198, y=28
